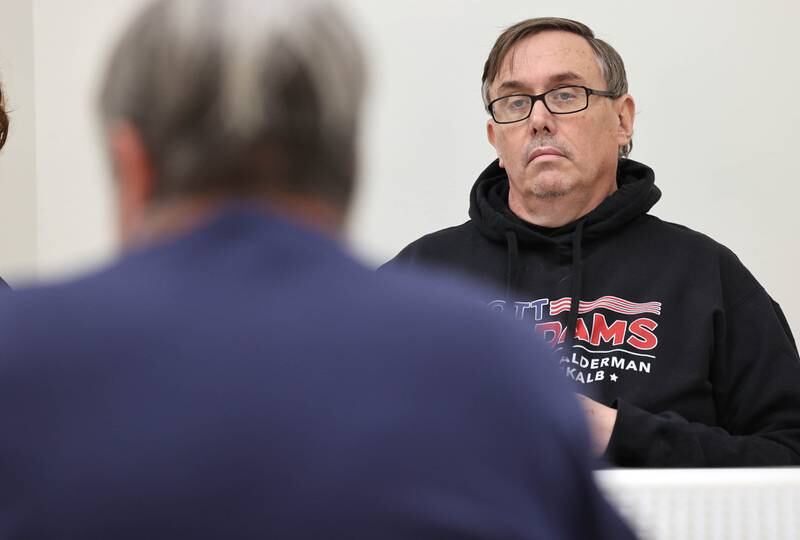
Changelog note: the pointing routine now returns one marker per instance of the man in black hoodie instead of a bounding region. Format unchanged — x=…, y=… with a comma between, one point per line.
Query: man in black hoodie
x=681, y=357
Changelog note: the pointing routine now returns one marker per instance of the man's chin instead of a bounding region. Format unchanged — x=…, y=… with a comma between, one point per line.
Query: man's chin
x=551, y=188
x=550, y=194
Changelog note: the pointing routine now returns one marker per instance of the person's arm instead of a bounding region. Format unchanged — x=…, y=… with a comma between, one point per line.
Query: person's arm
x=601, y=420
x=755, y=378
x=551, y=442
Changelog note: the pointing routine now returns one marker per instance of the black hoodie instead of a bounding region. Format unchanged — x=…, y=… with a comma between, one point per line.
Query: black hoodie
x=671, y=329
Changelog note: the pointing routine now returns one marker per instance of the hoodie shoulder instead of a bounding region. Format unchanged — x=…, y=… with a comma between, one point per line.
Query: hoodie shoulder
x=706, y=252
x=437, y=247
x=687, y=240
x=687, y=236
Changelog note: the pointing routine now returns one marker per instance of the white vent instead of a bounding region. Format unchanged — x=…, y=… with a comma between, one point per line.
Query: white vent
x=707, y=504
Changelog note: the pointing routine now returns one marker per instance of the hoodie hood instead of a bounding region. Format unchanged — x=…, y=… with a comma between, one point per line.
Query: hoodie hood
x=635, y=195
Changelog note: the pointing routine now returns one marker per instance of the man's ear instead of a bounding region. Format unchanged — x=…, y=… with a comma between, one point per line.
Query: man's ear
x=626, y=112
x=491, y=135
x=135, y=177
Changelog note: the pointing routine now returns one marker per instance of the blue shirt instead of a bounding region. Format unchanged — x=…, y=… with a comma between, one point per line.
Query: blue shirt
x=251, y=380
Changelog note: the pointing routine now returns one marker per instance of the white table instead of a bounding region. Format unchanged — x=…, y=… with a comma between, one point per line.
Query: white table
x=707, y=504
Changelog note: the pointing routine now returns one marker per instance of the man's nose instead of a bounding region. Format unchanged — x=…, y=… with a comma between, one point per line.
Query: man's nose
x=540, y=119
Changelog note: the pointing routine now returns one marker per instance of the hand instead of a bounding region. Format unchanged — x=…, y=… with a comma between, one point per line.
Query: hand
x=601, y=421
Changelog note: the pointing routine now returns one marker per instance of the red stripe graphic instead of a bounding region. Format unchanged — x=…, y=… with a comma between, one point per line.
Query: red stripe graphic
x=611, y=303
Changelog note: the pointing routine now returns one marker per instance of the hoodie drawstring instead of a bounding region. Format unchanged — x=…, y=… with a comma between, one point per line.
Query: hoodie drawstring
x=577, y=281
x=513, y=262
x=577, y=275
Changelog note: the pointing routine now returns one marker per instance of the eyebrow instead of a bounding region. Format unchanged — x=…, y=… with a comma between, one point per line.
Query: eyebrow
x=558, y=78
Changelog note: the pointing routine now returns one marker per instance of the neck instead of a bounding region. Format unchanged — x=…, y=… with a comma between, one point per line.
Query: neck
x=559, y=207
x=167, y=220
x=555, y=210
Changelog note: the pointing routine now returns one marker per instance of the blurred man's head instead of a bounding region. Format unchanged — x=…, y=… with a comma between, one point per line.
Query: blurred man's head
x=211, y=100
x=3, y=120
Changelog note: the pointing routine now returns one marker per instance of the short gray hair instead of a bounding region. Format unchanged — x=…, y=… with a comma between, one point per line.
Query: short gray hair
x=235, y=97
x=3, y=120
x=611, y=64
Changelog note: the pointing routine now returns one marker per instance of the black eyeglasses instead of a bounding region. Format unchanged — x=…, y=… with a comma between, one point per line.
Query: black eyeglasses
x=562, y=100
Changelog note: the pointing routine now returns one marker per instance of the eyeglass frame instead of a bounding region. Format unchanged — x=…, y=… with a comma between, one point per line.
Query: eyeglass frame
x=540, y=97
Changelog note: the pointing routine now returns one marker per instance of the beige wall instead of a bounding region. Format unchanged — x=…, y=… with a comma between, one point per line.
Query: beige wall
x=75, y=217
x=18, y=215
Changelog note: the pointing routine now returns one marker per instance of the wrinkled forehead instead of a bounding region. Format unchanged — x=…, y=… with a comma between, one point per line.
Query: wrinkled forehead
x=543, y=60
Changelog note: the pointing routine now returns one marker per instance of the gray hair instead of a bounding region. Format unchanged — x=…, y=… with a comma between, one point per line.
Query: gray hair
x=3, y=120
x=611, y=64
x=235, y=97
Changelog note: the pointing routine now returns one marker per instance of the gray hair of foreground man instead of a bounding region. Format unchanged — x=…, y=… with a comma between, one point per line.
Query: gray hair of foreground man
x=240, y=97
x=611, y=64
x=3, y=120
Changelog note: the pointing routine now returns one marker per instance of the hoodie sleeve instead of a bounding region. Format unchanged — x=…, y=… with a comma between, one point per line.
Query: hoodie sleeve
x=450, y=249
x=406, y=257
x=755, y=380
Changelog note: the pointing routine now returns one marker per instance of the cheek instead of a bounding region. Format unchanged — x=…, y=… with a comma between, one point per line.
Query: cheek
x=509, y=142
x=592, y=139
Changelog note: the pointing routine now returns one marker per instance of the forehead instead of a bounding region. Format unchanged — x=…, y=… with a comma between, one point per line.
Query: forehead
x=536, y=60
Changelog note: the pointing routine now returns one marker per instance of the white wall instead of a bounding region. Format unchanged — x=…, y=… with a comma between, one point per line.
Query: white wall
x=18, y=216
x=727, y=168
x=74, y=210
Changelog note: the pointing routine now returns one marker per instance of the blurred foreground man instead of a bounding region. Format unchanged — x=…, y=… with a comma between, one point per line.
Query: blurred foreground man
x=236, y=374
x=4, y=122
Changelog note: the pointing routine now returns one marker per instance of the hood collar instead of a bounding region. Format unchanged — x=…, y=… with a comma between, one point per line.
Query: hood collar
x=636, y=194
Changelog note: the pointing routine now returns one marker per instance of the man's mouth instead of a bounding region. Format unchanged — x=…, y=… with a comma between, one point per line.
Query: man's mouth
x=545, y=153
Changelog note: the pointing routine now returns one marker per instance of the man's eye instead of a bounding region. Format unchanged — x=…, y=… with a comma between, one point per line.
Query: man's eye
x=520, y=103
x=564, y=96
